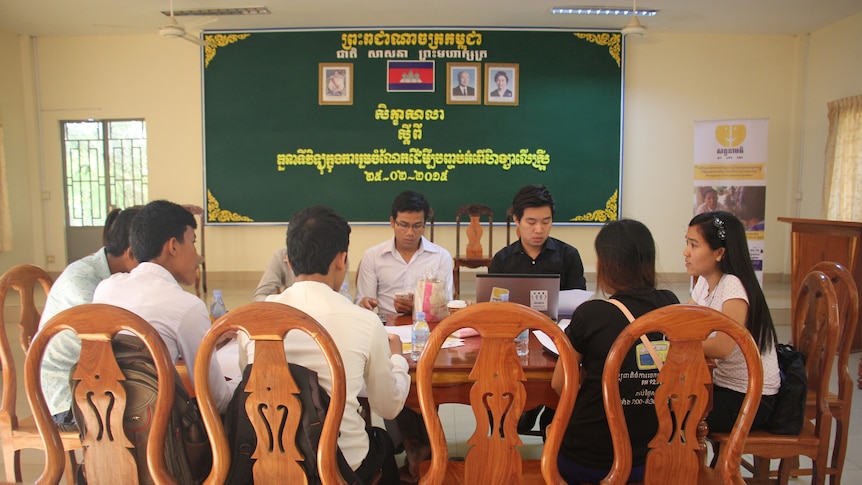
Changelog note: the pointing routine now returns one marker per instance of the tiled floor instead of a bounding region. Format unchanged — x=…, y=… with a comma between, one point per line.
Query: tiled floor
x=458, y=421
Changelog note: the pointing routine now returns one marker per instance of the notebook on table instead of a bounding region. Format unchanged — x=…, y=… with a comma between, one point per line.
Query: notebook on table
x=540, y=292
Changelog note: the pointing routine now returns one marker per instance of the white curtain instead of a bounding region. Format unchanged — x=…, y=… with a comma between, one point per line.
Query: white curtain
x=5, y=217
x=842, y=190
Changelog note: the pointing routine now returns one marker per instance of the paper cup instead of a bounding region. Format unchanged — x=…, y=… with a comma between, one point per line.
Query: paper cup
x=456, y=305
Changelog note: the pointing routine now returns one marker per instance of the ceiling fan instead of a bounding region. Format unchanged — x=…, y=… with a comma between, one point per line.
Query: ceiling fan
x=173, y=29
x=634, y=27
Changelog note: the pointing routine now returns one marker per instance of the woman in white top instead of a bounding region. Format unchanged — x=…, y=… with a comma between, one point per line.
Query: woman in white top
x=716, y=251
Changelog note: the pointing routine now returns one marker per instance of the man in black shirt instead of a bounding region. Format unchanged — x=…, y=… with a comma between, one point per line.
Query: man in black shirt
x=535, y=252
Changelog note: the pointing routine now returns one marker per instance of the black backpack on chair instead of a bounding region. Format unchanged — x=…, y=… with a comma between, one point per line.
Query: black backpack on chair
x=243, y=440
x=788, y=415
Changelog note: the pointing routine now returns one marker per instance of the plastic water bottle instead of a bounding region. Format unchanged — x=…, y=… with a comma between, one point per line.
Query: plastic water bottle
x=419, y=336
x=522, y=341
x=345, y=291
x=217, y=307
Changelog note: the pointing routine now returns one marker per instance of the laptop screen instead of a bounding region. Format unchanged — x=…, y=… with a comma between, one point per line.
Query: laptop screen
x=540, y=292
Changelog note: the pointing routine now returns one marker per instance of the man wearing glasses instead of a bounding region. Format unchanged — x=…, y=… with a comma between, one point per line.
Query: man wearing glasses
x=393, y=266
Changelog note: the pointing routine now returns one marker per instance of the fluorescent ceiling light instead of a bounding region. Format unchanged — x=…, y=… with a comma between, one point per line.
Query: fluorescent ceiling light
x=602, y=11
x=214, y=12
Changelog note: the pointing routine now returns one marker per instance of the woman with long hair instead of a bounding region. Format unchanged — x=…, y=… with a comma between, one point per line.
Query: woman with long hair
x=716, y=251
x=626, y=271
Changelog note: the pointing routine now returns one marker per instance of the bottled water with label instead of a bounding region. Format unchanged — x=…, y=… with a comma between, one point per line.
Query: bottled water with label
x=345, y=291
x=419, y=336
x=522, y=341
x=217, y=307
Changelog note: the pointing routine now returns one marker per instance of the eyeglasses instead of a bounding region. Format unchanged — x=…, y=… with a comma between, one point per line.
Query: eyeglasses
x=406, y=227
x=719, y=228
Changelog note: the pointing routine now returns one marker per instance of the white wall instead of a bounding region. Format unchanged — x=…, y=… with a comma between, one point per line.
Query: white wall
x=22, y=177
x=834, y=70
x=672, y=80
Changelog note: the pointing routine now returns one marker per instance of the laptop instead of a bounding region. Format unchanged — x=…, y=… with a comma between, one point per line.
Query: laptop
x=540, y=292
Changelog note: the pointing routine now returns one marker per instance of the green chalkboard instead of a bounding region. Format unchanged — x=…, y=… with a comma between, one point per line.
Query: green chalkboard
x=350, y=118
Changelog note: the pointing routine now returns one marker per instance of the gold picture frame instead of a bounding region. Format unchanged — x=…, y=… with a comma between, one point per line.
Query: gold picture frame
x=506, y=92
x=456, y=93
x=335, y=84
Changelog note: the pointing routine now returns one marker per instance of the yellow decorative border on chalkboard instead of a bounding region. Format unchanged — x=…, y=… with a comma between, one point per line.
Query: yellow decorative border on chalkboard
x=219, y=40
x=609, y=213
x=217, y=214
x=613, y=41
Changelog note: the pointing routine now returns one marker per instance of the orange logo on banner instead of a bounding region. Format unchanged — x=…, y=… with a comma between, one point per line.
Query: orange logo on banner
x=730, y=135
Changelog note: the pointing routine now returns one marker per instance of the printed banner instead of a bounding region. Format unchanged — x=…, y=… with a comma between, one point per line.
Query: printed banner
x=730, y=175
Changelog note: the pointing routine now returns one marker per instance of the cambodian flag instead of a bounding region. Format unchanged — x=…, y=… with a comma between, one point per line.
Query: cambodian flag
x=410, y=76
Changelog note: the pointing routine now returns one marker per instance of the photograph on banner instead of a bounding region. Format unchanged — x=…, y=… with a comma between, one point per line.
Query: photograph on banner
x=464, y=81
x=335, y=83
x=747, y=202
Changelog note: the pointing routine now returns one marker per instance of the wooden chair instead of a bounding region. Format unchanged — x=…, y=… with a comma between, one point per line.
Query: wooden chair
x=19, y=432
x=430, y=224
x=497, y=398
x=101, y=397
x=816, y=318
x=681, y=398
x=272, y=388
x=474, y=254
x=201, y=275
x=840, y=404
x=509, y=222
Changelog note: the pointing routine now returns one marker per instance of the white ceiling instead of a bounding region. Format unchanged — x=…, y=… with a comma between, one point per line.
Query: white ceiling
x=112, y=17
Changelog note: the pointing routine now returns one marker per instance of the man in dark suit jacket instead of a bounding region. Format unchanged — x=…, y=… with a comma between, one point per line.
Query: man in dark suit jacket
x=463, y=88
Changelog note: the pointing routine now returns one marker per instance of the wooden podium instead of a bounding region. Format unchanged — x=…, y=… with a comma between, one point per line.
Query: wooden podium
x=815, y=240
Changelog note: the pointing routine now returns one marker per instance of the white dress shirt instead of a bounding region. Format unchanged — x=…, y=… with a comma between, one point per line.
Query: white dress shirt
x=364, y=347
x=151, y=292
x=383, y=272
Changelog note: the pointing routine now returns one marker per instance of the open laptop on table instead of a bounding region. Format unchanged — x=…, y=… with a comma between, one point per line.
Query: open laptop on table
x=540, y=292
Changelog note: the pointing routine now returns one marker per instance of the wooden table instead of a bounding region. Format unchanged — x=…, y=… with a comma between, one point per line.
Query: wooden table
x=451, y=378
x=815, y=240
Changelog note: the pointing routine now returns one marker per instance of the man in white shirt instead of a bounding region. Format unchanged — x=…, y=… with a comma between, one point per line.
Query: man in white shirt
x=75, y=286
x=317, y=241
x=395, y=265
x=163, y=240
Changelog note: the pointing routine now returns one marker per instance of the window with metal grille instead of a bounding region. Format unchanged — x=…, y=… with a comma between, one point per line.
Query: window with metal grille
x=105, y=166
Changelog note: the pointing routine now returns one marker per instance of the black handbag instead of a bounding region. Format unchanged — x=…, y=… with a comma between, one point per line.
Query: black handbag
x=788, y=414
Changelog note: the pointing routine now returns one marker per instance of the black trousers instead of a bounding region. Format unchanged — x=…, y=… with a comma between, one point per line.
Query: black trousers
x=726, y=404
x=380, y=458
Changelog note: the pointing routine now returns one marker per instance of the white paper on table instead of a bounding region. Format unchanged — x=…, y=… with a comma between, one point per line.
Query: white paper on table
x=228, y=359
x=546, y=341
x=570, y=300
x=404, y=333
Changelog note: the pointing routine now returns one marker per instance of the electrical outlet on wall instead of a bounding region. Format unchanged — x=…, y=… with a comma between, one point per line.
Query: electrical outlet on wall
x=49, y=259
